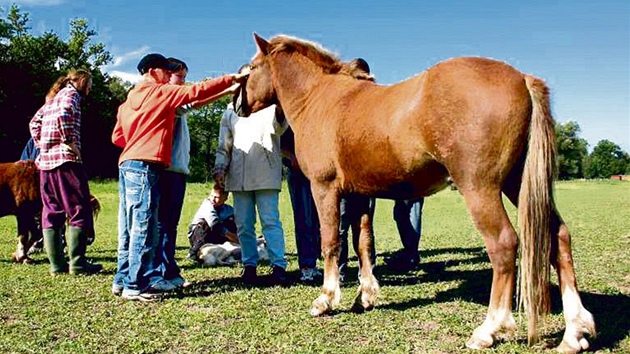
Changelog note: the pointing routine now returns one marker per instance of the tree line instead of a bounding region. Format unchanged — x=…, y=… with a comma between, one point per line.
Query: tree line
x=30, y=64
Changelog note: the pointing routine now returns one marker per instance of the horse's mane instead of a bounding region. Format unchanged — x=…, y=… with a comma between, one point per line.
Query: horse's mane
x=329, y=62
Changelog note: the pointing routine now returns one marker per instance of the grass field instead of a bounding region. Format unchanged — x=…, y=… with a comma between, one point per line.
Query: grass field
x=432, y=310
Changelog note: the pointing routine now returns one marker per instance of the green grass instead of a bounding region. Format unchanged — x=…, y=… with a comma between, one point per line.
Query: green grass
x=433, y=310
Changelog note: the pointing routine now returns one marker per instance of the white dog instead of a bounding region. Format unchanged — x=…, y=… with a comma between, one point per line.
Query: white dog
x=228, y=253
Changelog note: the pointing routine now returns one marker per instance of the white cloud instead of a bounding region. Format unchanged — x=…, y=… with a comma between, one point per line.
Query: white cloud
x=133, y=78
x=33, y=2
x=135, y=54
x=122, y=63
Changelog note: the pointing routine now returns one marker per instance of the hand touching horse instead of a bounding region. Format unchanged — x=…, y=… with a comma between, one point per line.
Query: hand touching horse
x=479, y=121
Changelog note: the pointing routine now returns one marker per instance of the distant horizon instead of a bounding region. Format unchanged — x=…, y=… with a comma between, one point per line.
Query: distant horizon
x=581, y=49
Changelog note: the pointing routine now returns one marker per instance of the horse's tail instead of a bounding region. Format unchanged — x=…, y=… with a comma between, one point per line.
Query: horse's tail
x=535, y=206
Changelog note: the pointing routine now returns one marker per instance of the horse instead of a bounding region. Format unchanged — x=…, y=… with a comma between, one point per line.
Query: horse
x=20, y=196
x=480, y=122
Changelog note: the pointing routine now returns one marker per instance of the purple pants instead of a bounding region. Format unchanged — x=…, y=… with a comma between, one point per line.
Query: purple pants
x=65, y=194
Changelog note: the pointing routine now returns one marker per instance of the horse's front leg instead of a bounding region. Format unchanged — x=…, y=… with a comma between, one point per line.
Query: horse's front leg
x=327, y=202
x=368, y=285
x=24, y=243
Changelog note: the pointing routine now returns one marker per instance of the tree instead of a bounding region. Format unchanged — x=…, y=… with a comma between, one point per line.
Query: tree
x=607, y=159
x=204, y=126
x=28, y=67
x=572, y=150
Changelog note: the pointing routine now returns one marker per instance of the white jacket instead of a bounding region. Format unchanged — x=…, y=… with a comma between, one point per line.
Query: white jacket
x=249, y=150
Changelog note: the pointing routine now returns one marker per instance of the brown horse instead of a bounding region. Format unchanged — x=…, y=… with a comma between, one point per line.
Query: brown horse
x=479, y=121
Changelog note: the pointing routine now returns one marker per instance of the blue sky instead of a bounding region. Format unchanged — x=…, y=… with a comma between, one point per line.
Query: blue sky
x=581, y=48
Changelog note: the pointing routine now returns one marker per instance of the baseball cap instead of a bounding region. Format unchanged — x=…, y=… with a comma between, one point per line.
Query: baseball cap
x=155, y=61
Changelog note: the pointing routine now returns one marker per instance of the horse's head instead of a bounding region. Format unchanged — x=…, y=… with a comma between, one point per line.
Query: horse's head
x=258, y=92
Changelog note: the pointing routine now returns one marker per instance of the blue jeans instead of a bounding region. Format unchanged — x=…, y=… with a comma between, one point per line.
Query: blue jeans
x=305, y=219
x=245, y=205
x=351, y=208
x=172, y=190
x=408, y=217
x=137, y=225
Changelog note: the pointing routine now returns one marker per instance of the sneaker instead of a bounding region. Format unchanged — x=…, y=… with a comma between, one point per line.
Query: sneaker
x=179, y=282
x=308, y=275
x=142, y=297
x=249, y=276
x=278, y=276
x=117, y=290
x=163, y=286
x=402, y=263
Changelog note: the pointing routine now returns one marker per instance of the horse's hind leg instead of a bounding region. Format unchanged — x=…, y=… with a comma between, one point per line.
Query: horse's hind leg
x=327, y=203
x=368, y=285
x=488, y=213
x=577, y=319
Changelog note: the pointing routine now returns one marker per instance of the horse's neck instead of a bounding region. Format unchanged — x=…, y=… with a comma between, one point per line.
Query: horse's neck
x=294, y=81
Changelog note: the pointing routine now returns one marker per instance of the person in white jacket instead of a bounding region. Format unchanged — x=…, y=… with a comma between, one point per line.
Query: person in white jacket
x=249, y=164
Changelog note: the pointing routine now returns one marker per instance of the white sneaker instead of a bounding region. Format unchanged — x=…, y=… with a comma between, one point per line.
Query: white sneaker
x=308, y=275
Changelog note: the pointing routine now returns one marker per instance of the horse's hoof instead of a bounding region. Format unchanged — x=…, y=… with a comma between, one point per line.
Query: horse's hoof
x=360, y=306
x=320, y=307
x=571, y=348
x=479, y=343
x=27, y=260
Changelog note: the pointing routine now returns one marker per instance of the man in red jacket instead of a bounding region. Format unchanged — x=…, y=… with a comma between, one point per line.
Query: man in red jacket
x=144, y=129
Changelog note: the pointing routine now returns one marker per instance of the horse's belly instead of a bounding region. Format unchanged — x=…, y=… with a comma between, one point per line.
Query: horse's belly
x=422, y=182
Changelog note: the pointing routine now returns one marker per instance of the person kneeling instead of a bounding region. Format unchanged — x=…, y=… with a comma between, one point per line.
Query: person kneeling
x=213, y=223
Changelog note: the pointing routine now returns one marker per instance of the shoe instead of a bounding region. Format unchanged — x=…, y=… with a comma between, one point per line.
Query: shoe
x=180, y=283
x=308, y=275
x=142, y=297
x=249, y=276
x=162, y=286
x=278, y=276
x=402, y=263
x=117, y=290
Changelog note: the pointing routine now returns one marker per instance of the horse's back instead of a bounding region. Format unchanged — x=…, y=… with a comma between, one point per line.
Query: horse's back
x=475, y=117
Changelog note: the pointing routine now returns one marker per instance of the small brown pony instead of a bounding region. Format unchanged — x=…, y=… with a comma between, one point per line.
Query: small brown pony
x=479, y=121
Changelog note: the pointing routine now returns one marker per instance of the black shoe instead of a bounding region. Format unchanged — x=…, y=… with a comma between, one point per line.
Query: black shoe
x=249, y=277
x=278, y=276
x=401, y=262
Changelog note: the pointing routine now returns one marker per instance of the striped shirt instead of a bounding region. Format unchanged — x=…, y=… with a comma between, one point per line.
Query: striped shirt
x=56, y=125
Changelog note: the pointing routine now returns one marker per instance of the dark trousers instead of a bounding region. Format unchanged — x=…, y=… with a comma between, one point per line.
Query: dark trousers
x=305, y=219
x=172, y=190
x=65, y=193
x=351, y=208
x=201, y=233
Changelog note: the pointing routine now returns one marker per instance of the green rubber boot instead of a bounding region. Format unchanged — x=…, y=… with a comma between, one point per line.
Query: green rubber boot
x=54, y=250
x=77, y=245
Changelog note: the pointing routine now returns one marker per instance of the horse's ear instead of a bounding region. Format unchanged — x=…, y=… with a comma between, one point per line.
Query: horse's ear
x=263, y=45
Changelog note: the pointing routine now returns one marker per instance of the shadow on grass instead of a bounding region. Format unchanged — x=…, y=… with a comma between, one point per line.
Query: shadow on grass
x=611, y=311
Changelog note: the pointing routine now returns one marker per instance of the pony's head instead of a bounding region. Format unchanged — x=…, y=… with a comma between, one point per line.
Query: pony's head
x=259, y=91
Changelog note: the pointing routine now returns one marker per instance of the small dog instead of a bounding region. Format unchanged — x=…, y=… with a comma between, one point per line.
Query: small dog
x=228, y=253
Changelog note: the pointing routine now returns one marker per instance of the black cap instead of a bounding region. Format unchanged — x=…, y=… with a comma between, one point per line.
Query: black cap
x=155, y=61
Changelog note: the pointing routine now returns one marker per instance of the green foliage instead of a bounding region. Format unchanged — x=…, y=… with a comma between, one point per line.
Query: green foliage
x=607, y=159
x=29, y=65
x=432, y=310
x=204, y=126
x=571, y=150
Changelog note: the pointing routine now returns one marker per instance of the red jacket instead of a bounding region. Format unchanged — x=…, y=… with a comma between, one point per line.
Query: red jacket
x=145, y=121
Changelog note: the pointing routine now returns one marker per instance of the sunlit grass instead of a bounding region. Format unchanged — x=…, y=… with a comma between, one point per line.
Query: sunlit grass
x=433, y=310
